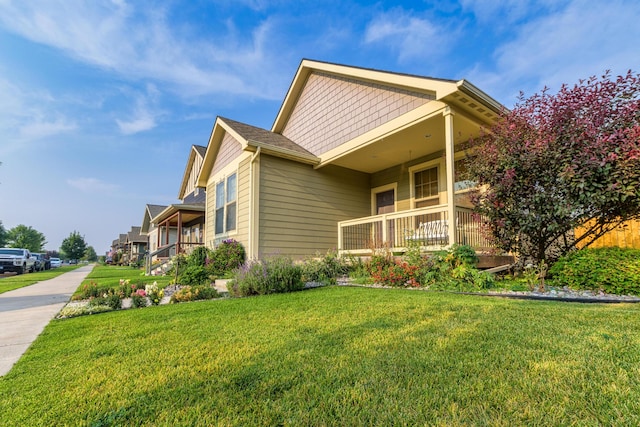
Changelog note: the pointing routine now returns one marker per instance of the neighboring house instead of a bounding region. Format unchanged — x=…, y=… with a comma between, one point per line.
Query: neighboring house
x=149, y=229
x=356, y=159
x=119, y=247
x=135, y=245
x=178, y=228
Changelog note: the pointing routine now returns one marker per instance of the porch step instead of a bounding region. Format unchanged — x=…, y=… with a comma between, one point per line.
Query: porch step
x=492, y=261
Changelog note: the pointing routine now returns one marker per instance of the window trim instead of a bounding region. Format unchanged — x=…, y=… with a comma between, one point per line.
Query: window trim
x=374, y=191
x=440, y=170
x=224, y=180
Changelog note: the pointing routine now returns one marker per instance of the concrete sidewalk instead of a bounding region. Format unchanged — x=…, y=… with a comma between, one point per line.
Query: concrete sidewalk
x=26, y=311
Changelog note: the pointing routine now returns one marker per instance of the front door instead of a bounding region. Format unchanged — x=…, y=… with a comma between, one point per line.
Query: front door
x=385, y=202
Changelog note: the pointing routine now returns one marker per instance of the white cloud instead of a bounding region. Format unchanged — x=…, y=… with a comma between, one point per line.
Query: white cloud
x=27, y=116
x=564, y=46
x=142, y=122
x=41, y=128
x=92, y=185
x=141, y=44
x=144, y=116
x=411, y=37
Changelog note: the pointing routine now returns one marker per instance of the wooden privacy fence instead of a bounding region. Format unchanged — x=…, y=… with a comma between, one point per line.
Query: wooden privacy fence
x=625, y=236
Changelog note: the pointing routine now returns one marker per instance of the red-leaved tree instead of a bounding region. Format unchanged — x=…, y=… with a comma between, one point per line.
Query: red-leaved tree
x=561, y=161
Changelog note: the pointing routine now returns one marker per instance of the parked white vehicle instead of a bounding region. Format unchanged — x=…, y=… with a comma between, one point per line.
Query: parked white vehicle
x=55, y=262
x=18, y=260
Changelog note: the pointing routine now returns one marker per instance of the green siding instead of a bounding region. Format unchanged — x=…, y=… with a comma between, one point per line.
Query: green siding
x=244, y=196
x=300, y=207
x=400, y=174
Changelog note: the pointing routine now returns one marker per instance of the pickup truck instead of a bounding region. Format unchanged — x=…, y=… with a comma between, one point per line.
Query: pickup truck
x=18, y=260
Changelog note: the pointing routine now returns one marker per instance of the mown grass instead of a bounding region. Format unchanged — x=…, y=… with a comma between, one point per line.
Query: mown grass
x=335, y=356
x=9, y=283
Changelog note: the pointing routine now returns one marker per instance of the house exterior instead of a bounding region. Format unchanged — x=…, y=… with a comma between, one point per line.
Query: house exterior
x=150, y=230
x=179, y=227
x=356, y=159
x=135, y=246
x=118, y=247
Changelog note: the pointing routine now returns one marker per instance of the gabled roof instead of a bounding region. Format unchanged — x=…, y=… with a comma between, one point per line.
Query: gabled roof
x=134, y=236
x=259, y=137
x=197, y=151
x=150, y=211
x=444, y=90
x=251, y=138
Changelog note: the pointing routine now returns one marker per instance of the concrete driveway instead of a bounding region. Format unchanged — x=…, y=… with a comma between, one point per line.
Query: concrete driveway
x=26, y=311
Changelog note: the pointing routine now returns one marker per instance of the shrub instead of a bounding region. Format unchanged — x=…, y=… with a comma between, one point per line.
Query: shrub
x=198, y=256
x=111, y=300
x=228, y=256
x=91, y=290
x=273, y=275
x=193, y=293
x=194, y=275
x=178, y=262
x=398, y=273
x=324, y=269
x=612, y=270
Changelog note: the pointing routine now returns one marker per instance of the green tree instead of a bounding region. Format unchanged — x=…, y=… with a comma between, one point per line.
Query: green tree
x=90, y=254
x=3, y=235
x=25, y=237
x=557, y=162
x=74, y=246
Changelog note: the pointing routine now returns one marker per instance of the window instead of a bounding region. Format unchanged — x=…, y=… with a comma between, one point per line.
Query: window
x=425, y=184
x=461, y=171
x=226, y=194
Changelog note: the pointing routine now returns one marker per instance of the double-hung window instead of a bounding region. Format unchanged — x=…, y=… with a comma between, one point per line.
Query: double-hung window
x=425, y=185
x=226, y=196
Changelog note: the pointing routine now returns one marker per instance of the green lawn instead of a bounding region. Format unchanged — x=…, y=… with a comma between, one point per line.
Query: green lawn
x=9, y=282
x=335, y=356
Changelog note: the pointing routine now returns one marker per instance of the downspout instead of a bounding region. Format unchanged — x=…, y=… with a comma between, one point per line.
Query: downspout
x=253, y=200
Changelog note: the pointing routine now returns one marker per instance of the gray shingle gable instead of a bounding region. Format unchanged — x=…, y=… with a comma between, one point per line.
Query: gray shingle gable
x=263, y=136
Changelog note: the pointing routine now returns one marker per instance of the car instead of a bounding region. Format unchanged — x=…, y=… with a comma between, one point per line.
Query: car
x=55, y=262
x=18, y=260
x=42, y=262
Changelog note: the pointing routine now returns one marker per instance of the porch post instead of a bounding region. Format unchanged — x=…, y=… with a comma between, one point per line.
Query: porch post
x=449, y=168
x=179, y=237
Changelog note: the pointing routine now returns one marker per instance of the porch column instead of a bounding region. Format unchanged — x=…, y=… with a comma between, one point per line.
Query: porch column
x=179, y=237
x=449, y=168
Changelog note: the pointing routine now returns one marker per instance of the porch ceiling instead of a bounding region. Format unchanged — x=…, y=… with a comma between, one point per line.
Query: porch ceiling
x=187, y=212
x=419, y=140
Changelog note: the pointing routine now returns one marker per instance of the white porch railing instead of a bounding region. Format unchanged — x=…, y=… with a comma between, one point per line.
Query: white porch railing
x=427, y=226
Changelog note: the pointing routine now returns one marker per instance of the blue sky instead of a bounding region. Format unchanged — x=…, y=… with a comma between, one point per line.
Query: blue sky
x=100, y=101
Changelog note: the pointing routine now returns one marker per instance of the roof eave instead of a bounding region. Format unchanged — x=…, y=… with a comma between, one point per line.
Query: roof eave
x=283, y=153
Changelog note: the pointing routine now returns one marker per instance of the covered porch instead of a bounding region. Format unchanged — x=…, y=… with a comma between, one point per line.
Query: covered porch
x=427, y=227
x=418, y=195
x=180, y=229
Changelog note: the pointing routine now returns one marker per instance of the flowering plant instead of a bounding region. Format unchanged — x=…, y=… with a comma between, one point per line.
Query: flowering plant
x=139, y=298
x=154, y=293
